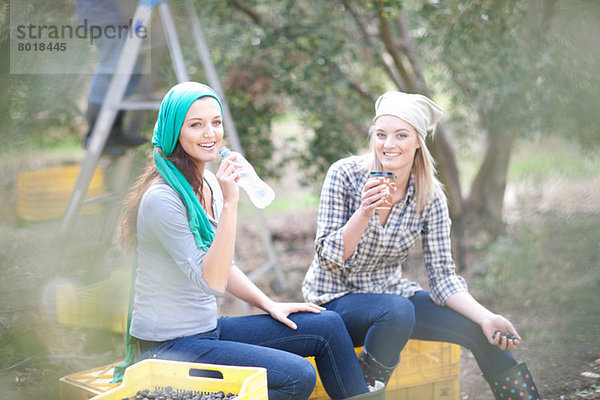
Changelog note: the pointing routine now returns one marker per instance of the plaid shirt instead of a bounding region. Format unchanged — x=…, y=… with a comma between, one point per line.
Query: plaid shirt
x=376, y=264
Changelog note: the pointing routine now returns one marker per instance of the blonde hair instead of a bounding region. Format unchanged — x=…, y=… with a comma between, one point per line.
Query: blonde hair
x=423, y=171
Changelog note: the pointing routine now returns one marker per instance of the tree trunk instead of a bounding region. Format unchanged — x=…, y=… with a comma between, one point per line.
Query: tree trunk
x=486, y=199
x=442, y=152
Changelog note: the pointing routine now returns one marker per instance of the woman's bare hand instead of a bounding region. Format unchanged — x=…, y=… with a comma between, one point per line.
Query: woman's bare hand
x=373, y=195
x=281, y=311
x=500, y=332
x=228, y=175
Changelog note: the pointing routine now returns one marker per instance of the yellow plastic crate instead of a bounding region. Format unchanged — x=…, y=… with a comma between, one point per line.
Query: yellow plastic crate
x=248, y=383
x=44, y=193
x=102, y=305
x=427, y=370
x=87, y=384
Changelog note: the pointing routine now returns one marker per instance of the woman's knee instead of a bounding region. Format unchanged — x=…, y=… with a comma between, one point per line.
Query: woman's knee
x=398, y=311
x=296, y=381
x=308, y=378
x=332, y=319
x=326, y=324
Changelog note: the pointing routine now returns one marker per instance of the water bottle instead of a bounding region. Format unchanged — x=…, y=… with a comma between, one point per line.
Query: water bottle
x=259, y=192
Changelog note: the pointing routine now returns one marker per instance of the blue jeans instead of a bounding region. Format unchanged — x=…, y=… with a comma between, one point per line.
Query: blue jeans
x=383, y=323
x=261, y=341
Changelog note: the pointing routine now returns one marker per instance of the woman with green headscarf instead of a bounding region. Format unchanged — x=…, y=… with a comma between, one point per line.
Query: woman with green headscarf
x=181, y=219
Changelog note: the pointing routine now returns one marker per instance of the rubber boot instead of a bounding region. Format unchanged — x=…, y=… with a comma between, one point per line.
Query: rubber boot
x=515, y=384
x=372, y=370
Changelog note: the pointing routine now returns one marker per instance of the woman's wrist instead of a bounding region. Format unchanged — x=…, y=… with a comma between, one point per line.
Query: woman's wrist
x=484, y=318
x=266, y=304
x=364, y=215
x=229, y=204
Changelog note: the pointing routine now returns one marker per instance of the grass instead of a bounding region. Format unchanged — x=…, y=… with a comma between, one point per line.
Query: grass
x=544, y=274
x=536, y=159
x=54, y=139
x=558, y=257
x=568, y=164
x=284, y=202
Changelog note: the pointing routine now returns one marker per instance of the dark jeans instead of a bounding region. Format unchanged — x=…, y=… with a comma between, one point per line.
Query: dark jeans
x=261, y=341
x=383, y=323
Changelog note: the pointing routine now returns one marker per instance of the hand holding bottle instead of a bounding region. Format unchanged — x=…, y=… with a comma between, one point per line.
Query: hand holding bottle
x=259, y=192
x=228, y=175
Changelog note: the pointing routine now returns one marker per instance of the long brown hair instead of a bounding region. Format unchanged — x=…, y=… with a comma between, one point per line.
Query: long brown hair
x=188, y=169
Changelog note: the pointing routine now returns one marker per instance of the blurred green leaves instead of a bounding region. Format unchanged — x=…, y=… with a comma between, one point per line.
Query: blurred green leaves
x=31, y=105
x=526, y=67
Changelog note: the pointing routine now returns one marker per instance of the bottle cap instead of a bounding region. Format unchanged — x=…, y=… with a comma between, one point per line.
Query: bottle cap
x=224, y=152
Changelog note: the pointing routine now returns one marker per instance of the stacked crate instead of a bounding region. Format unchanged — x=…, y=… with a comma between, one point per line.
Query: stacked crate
x=102, y=305
x=44, y=193
x=427, y=370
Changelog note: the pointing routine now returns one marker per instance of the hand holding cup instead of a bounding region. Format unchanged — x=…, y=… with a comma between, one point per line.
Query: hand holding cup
x=389, y=180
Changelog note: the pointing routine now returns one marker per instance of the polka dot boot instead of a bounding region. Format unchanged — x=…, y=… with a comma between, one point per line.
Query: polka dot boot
x=515, y=384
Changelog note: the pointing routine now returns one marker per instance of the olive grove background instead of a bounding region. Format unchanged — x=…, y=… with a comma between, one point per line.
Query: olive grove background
x=517, y=153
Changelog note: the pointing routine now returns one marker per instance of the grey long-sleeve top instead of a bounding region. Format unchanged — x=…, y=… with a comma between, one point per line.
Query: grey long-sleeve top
x=171, y=297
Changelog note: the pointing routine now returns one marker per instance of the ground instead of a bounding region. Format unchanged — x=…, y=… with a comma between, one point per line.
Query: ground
x=544, y=275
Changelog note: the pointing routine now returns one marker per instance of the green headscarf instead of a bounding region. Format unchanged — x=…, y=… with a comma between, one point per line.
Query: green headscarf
x=171, y=115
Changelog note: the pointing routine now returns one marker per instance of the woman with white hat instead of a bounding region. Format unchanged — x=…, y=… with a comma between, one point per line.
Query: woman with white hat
x=360, y=248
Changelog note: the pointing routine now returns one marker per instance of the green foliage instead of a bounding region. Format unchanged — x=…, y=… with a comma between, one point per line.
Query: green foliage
x=492, y=58
x=483, y=59
x=35, y=107
x=33, y=104
x=519, y=67
x=555, y=257
x=522, y=67
x=388, y=8
x=571, y=83
x=290, y=57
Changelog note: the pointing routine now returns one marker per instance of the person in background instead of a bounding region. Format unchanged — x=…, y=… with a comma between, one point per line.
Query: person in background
x=181, y=218
x=110, y=15
x=357, y=268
